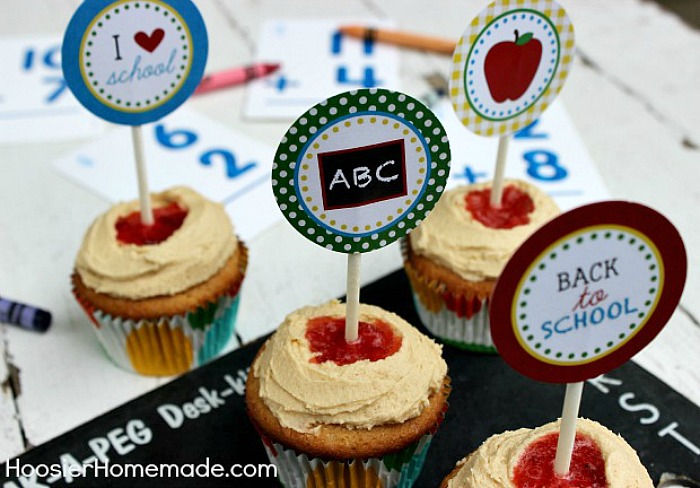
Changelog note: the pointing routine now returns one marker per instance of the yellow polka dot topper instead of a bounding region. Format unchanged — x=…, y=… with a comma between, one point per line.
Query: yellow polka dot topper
x=510, y=64
x=361, y=169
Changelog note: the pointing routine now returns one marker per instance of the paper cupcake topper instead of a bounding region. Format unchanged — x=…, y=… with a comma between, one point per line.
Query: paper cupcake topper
x=134, y=61
x=510, y=64
x=587, y=291
x=361, y=169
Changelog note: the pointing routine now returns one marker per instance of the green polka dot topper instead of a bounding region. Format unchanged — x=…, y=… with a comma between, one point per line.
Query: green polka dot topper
x=361, y=169
x=587, y=291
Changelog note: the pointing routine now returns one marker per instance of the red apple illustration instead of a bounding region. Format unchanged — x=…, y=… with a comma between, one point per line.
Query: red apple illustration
x=510, y=67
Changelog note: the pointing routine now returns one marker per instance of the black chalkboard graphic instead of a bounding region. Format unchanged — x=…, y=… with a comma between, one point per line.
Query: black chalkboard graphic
x=199, y=419
x=363, y=175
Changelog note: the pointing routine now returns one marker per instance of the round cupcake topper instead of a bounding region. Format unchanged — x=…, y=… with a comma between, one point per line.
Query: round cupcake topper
x=134, y=61
x=587, y=291
x=510, y=64
x=361, y=169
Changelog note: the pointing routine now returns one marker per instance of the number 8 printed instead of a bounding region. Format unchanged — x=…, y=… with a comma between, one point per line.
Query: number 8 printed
x=544, y=165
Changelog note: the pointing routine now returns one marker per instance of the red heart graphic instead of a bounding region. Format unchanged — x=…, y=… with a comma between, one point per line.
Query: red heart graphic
x=149, y=43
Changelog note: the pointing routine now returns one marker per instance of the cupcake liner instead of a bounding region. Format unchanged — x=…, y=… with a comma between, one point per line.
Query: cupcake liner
x=170, y=344
x=397, y=470
x=216, y=338
x=296, y=470
x=456, y=319
x=472, y=334
x=173, y=344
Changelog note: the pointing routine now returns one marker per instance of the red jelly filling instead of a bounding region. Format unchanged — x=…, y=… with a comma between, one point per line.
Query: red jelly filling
x=326, y=336
x=130, y=229
x=535, y=468
x=514, y=209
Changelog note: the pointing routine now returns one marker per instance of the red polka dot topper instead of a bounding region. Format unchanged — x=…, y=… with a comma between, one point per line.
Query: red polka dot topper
x=587, y=291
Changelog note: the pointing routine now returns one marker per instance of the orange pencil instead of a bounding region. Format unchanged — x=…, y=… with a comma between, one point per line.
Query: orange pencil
x=403, y=39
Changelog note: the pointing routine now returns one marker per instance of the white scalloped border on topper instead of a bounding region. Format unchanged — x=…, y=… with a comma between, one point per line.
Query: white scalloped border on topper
x=471, y=96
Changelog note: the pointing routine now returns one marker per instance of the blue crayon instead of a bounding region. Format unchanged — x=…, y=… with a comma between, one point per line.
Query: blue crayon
x=25, y=316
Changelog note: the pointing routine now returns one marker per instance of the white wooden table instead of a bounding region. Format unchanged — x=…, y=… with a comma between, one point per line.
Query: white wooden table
x=633, y=95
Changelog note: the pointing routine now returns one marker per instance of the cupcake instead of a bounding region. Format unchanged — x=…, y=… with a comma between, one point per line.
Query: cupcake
x=337, y=414
x=162, y=298
x=524, y=458
x=454, y=257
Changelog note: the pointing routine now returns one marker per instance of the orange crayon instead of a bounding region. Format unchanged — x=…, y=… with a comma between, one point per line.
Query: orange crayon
x=403, y=39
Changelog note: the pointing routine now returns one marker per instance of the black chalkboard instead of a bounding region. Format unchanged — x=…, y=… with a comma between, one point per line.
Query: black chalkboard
x=488, y=397
x=363, y=175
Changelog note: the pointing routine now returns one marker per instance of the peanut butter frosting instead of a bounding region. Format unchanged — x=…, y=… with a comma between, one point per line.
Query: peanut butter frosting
x=451, y=237
x=303, y=395
x=492, y=465
x=191, y=255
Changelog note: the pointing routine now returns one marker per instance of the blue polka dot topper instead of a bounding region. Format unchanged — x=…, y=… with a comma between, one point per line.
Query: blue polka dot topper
x=134, y=61
x=510, y=64
x=587, y=291
x=361, y=169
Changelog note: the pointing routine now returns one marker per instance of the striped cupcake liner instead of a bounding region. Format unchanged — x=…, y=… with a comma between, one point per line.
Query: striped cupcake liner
x=457, y=320
x=296, y=470
x=397, y=470
x=167, y=345
x=471, y=334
